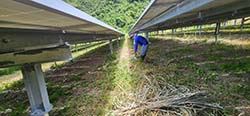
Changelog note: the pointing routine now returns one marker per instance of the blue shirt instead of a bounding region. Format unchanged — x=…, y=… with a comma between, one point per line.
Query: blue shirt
x=139, y=40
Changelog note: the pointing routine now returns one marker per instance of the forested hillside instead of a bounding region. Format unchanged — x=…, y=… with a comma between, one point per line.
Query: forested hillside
x=121, y=14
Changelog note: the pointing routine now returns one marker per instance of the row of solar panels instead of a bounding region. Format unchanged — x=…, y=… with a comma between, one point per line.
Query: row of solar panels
x=36, y=24
x=33, y=32
x=169, y=14
x=30, y=27
x=49, y=15
x=43, y=20
x=37, y=31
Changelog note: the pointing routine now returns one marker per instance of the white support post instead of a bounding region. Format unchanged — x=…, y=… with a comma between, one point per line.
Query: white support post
x=111, y=46
x=200, y=30
x=235, y=22
x=36, y=89
x=217, y=31
x=224, y=24
x=172, y=35
x=196, y=30
x=242, y=24
x=76, y=47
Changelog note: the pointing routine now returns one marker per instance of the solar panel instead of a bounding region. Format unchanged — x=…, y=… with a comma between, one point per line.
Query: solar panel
x=154, y=9
x=28, y=25
x=167, y=14
x=33, y=32
x=49, y=15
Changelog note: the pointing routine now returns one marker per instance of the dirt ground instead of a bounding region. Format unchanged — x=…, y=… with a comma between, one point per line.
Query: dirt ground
x=222, y=69
x=66, y=85
x=92, y=84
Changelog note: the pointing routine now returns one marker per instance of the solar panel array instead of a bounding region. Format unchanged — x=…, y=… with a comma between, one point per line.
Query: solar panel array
x=168, y=14
x=49, y=15
x=36, y=25
x=33, y=32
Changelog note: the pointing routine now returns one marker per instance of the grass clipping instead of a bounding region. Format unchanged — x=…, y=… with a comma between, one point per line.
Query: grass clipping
x=154, y=98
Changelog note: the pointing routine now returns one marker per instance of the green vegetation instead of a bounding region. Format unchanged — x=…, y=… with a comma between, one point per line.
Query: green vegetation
x=10, y=70
x=121, y=14
x=76, y=50
x=61, y=89
x=98, y=83
x=221, y=69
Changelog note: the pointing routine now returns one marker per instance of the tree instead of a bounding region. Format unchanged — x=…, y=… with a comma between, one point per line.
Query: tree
x=121, y=14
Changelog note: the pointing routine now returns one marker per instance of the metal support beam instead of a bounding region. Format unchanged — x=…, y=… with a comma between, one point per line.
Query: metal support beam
x=200, y=30
x=235, y=22
x=191, y=4
x=172, y=35
x=16, y=39
x=231, y=10
x=147, y=36
x=242, y=24
x=196, y=29
x=111, y=46
x=217, y=31
x=36, y=89
x=59, y=53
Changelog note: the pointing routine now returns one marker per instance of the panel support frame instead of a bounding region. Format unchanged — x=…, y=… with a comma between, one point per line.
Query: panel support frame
x=147, y=36
x=36, y=89
x=242, y=24
x=217, y=31
x=111, y=46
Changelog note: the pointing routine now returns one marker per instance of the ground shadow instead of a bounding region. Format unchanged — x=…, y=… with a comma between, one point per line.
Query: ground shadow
x=74, y=88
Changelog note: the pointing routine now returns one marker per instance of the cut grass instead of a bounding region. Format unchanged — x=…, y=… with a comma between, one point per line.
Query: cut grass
x=62, y=94
x=220, y=69
x=13, y=74
x=194, y=63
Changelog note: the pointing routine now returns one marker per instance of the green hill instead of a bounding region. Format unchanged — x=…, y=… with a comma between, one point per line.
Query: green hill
x=121, y=14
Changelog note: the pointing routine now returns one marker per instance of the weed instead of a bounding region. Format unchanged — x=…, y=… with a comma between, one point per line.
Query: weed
x=76, y=78
x=242, y=66
x=241, y=89
x=17, y=85
x=212, y=76
x=55, y=92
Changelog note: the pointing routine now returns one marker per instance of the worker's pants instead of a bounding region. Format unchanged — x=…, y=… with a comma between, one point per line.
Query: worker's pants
x=144, y=49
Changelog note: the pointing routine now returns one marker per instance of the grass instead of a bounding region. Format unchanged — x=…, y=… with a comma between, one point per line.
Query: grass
x=10, y=70
x=12, y=74
x=61, y=93
x=13, y=69
x=222, y=70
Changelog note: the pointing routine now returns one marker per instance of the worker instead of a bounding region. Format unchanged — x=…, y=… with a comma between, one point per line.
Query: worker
x=140, y=40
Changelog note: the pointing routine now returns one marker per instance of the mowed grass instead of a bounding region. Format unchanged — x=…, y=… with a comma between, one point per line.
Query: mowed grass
x=223, y=70
x=9, y=75
x=84, y=91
